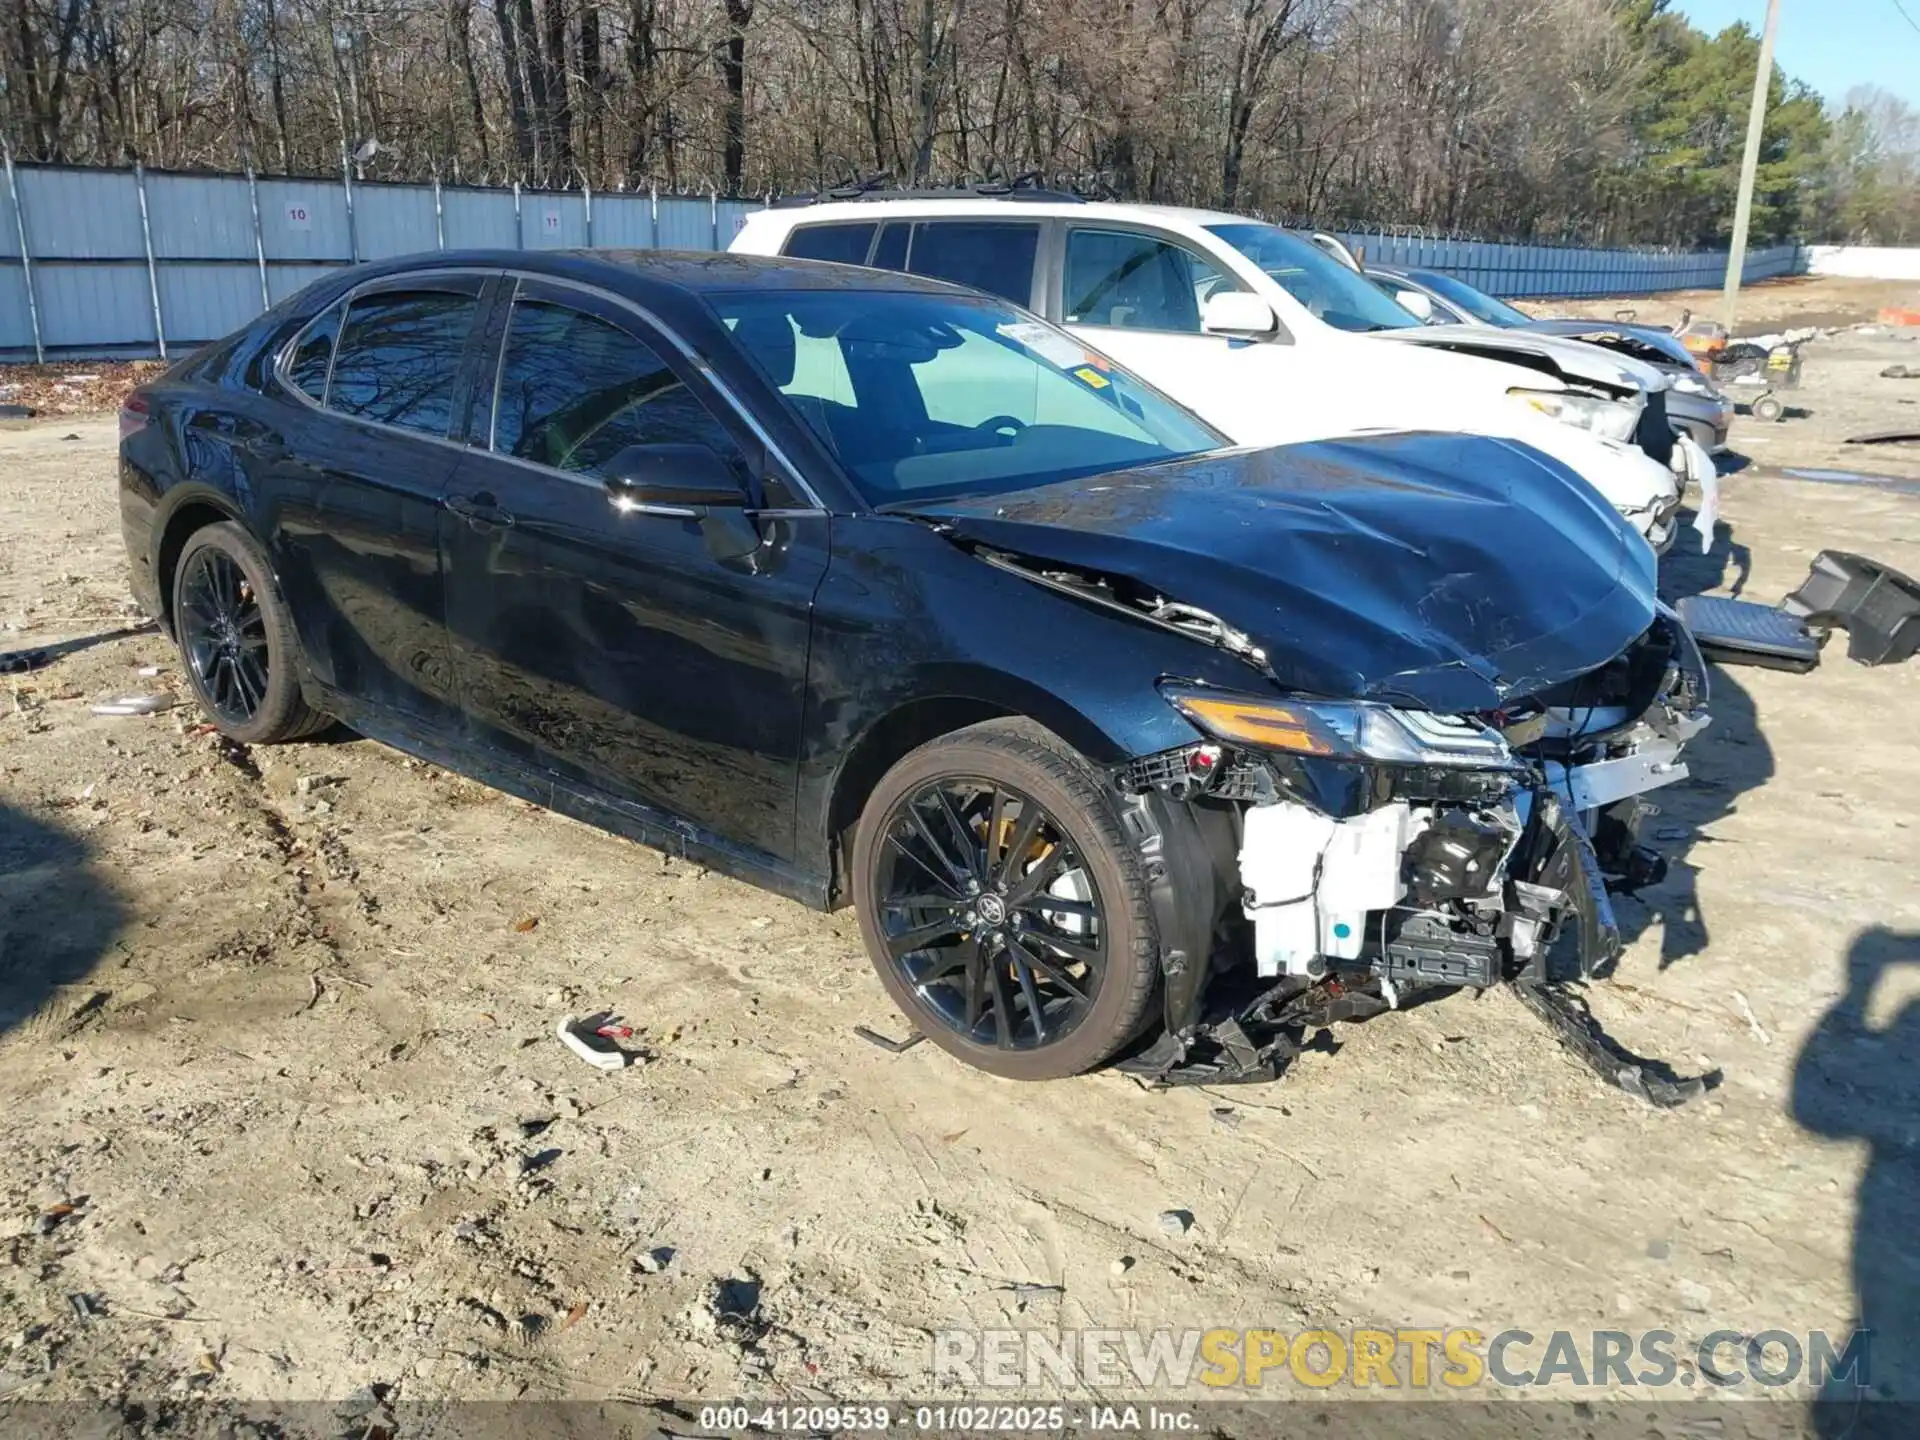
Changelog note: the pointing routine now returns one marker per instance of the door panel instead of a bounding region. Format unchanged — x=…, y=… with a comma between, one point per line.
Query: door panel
x=660, y=658
x=1136, y=295
x=357, y=487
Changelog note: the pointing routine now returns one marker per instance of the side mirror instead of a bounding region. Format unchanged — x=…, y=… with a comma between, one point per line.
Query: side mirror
x=679, y=480
x=1238, y=314
x=1418, y=304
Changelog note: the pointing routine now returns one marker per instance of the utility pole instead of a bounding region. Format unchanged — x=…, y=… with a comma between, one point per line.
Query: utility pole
x=1749, y=164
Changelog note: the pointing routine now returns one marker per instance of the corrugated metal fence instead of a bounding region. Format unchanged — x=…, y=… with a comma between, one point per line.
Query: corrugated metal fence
x=99, y=262
x=102, y=262
x=1514, y=271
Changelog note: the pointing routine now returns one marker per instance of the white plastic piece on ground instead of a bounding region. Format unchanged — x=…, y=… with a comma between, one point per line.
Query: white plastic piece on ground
x=134, y=705
x=577, y=1043
x=1311, y=880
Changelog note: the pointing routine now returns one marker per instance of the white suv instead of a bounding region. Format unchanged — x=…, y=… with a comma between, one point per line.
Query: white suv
x=1263, y=333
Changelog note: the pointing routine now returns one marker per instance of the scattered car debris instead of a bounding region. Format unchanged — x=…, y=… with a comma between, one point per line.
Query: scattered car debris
x=1176, y=1222
x=17, y=412
x=135, y=705
x=307, y=784
x=652, y=1262
x=581, y=1036
x=895, y=1047
x=1902, y=436
x=1740, y=632
x=1899, y=372
x=1876, y=605
x=18, y=662
x=734, y=1307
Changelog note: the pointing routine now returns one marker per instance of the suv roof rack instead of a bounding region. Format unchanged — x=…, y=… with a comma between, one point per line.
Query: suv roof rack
x=876, y=187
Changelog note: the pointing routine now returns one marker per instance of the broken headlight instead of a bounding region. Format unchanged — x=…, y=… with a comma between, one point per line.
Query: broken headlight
x=1341, y=729
x=1610, y=419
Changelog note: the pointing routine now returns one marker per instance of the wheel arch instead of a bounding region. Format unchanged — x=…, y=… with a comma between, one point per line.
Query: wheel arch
x=905, y=727
x=188, y=509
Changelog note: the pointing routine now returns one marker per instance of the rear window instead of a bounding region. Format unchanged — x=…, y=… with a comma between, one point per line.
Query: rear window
x=398, y=359
x=847, y=244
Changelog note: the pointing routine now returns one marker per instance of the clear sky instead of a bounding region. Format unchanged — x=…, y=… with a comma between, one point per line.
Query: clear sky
x=1833, y=45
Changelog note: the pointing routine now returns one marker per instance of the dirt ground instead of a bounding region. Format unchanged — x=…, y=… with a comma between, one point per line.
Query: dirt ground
x=281, y=1102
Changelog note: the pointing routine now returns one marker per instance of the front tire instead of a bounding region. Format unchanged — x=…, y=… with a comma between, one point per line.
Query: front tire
x=1001, y=904
x=237, y=640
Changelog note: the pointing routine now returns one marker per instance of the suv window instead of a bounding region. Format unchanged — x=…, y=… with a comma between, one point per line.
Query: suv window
x=399, y=358
x=1134, y=281
x=847, y=244
x=576, y=390
x=988, y=255
x=312, y=356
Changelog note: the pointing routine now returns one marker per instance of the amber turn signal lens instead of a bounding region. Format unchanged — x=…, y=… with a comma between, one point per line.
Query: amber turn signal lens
x=1254, y=722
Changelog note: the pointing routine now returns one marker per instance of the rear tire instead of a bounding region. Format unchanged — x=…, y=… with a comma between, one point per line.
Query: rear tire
x=1001, y=904
x=237, y=641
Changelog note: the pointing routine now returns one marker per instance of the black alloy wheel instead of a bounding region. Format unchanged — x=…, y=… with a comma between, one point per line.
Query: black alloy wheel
x=224, y=634
x=1003, y=905
x=237, y=639
x=990, y=914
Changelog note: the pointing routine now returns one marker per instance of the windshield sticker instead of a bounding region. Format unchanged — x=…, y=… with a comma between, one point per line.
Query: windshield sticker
x=1092, y=377
x=1049, y=345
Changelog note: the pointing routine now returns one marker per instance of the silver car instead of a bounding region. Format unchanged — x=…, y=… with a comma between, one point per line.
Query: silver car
x=1695, y=405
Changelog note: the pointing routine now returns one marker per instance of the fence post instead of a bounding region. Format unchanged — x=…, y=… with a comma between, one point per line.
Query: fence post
x=586, y=191
x=146, y=239
x=259, y=239
x=713, y=217
x=519, y=230
x=353, y=235
x=439, y=215
x=26, y=258
x=653, y=216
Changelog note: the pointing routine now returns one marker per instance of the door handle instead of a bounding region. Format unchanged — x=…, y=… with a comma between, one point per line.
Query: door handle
x=480, y=510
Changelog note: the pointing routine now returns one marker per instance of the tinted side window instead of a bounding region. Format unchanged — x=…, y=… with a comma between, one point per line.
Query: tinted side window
x=399, y=358
x=844, y=243
x=575, y=391
x=307, y=366
x=1135, y=282
x=991, y=257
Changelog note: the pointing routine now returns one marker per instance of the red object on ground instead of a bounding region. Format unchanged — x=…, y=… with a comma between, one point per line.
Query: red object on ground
x=1900, y=315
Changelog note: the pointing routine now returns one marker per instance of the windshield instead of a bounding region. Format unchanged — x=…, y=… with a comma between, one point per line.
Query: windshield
x=926, y=396
x=1330, y=290
x=1477, y=303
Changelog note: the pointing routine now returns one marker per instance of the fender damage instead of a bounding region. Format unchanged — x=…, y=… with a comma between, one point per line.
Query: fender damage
x=1491, y=688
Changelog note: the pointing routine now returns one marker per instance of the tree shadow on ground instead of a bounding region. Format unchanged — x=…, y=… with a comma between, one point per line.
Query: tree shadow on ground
x=1858, y=1078
x=58, y=919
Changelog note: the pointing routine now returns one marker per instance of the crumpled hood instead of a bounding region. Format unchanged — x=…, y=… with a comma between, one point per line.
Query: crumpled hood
x=1572, y=359
x=1445, y=571
x=1624, y=338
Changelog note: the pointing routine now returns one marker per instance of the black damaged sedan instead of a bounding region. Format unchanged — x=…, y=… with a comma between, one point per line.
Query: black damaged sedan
x=874, y=590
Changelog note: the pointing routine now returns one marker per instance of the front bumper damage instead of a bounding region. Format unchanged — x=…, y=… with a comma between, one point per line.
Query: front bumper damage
x=1286, y=905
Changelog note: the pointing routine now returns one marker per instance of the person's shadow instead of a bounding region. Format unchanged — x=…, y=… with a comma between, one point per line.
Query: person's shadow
x=58, y=919
x=1858, y=1080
